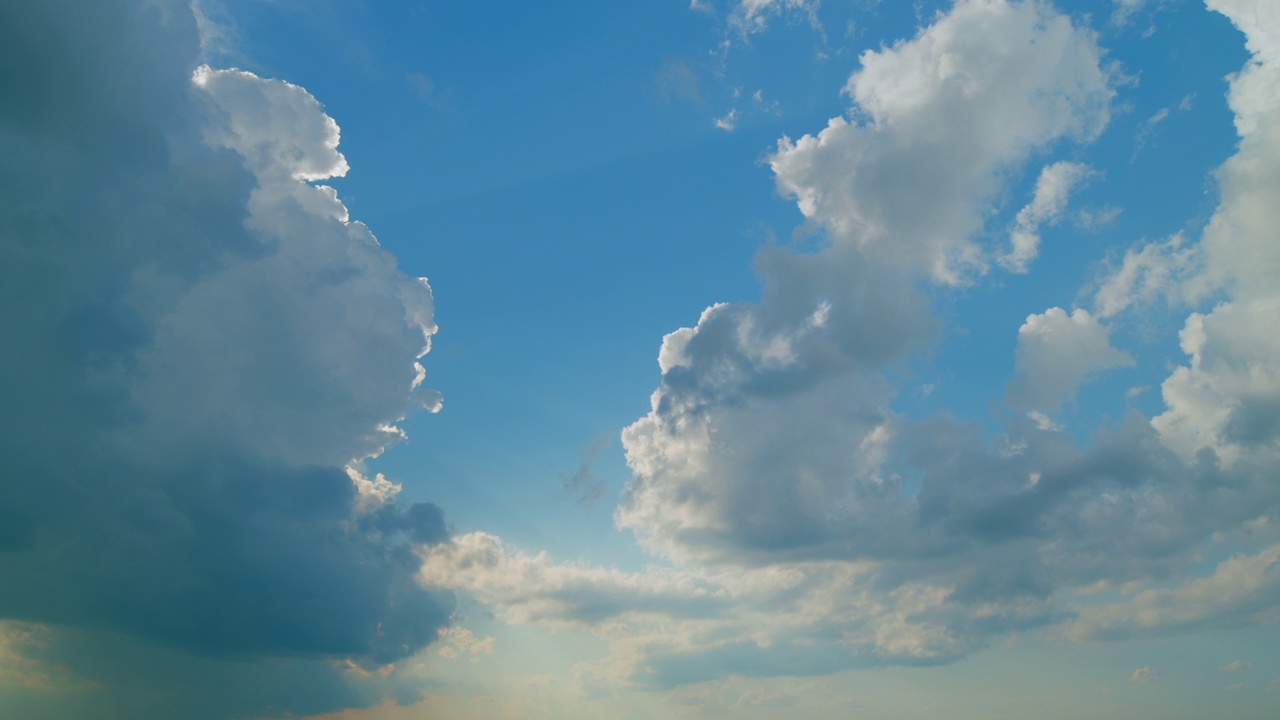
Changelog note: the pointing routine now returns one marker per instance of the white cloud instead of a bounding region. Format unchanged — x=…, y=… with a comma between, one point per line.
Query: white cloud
x=1239, y=252
x=809, y=527
x=674, y=626
x=948, y=111
x=1155, y=269
x=346, y=325
x=278, y=127
x=1144, y=675
x=1055, y=353
x=1241, y=591
x=1235, y=666
x=458, y=642
x=752, y=16
x=729, y=122
x=534, y=589
x=1148, y=128
x=744, y=449
x=1227, y=398
x=804, y=527
x=765, y=470
x=1053, y=187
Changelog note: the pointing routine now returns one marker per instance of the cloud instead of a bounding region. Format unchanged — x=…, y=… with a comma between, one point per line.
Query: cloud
x=1149, y=128
x=729, y=122
x=752, y=16
x=19, y=671
x=583, y=483
x=744, y=450
x=946, y=116
x=457, y=642
x=676, y=80
x=1235, y=666
x=801, y=526
x=771, y=455
x=1055, y=353
x=432, y=95
x=209, y=349
x=1227, y=398
x=1240, y=591
x=534, y=589
x=1053, y=187
x=1158, y=269
x=672, y=626
x=1144, y=675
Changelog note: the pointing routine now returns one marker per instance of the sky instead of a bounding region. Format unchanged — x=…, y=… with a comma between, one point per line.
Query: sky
x=737, y=358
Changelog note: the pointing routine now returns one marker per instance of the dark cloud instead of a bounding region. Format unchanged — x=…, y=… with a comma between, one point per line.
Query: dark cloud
x=196, y=342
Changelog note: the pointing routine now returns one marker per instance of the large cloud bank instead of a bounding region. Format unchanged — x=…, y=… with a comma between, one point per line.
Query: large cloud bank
x=200, y=349
x=804, y=526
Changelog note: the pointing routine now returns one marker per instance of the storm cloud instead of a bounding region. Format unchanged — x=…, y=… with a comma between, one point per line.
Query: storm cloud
x=200, y=350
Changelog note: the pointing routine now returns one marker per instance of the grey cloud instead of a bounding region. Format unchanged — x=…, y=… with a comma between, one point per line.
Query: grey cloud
x=197, y=342
x=102, y=674
x=1056, y=352
x=1254, y=421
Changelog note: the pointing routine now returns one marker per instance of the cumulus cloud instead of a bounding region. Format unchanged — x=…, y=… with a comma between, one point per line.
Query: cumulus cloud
x=1053, y=187
x=209, y=347
x=771, y=455
x=752, y=442
x=801, y=526
x=1055, y=353
x=947, y=112
x=1227, y=398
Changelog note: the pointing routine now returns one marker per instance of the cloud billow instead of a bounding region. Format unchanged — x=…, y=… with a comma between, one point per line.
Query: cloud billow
x=199, y=342
x=776, y=482
x=777, y=414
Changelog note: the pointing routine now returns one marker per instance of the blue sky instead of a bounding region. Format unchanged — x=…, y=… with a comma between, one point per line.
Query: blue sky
x=830, y=359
